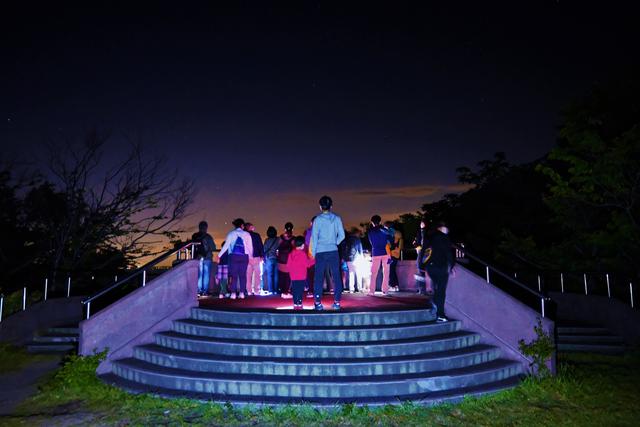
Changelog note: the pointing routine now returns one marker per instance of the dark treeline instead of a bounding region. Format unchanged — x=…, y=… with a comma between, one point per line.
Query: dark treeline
x=576, y=209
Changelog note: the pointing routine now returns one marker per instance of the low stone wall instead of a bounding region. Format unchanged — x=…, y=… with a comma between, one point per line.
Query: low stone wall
x=499, y=318
x=134, y=319
x=19, y=328
x=615, y=315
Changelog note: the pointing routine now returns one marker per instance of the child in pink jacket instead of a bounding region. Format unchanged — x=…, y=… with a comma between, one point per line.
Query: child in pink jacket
x=297, y=264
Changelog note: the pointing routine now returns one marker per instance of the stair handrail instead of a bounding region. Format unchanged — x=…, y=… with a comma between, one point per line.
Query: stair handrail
x=188, y=247
x=488, y=268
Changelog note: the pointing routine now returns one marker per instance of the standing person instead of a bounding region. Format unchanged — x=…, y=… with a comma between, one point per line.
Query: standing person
x=423, y=284
x=284, y=249
x=327, y=234
x=380, y=255
x=254, y=269
x=397, y=242
x=354, y=255
x=240, y=248
x=297, y=264
x=270, y=275
x=204, y=252
x=440, y=265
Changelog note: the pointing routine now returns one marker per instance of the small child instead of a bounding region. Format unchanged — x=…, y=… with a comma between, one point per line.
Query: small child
x=297, y=264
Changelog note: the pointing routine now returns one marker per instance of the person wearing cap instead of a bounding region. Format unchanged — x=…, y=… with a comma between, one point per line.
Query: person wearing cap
x=327, y=233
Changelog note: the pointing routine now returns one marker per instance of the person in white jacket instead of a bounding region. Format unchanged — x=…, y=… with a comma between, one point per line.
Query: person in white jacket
x=238, y=244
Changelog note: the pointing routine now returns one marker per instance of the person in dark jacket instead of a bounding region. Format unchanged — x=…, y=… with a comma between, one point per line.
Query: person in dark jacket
x=204, y=252
x=284, y=249
x=270, y=248
x=440, y=266
x=254, y=269
x=380, y=255
x=423, y=284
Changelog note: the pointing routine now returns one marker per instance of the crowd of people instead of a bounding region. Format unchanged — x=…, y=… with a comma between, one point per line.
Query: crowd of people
x=322, y=259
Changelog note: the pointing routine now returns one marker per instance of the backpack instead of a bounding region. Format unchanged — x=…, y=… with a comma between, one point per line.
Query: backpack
x=203, y=248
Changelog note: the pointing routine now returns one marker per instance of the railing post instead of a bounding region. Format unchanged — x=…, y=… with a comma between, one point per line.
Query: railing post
x=562, y=283
x=115, y=278
x=144, y=278
x=631, y=292
x=608, y=286
x=68, y=286
x=487, y=268
x=88, y=310
x=585, y=284
x=539, y=285
x=542, y=310
x=1, y=306
x=24, y=298
x=46, y=287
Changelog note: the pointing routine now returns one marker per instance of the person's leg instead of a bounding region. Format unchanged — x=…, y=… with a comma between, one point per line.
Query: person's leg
x=352, y=276
x=268, y=281
x=200, y=274
x=250, y=275
x=385, y=275
x=334, y=267
x=318, y=279
x=234, y=271
x=206, y=275
x=439, y=277
x=258, y=286
x=243, y=264
x=375, y=267
x=298, y=290
x=393, y=274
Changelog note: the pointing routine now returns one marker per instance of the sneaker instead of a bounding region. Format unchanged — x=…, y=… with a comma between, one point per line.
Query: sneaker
x=241, y=295
x=221, y=296
x=297, y=306
x=309, y=295
x=287, y=296
x=233, y=296
x=318, y=306
x=371, y=294
x=336, y=306
x=442, y=319
x=249, y=294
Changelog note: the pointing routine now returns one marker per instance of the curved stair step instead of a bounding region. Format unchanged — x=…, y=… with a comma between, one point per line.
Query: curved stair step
x=236, y=386
x=201, y=362
x=325, y=318
x=317, y=350
x=314, y=333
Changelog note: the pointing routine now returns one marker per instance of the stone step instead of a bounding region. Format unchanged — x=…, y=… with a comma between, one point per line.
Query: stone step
x=236, y=386
x=427, y=399
x=56, y=338
x=200, y=362
x=312, y=318
x=591, y=348
x=590, y=339
x=43, y=347
x=314, y=333
x=317, y=350
x=66, y=330
x=582, y=330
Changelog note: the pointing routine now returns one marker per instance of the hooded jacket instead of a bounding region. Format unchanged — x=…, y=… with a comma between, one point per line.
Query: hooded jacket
x=327, y=233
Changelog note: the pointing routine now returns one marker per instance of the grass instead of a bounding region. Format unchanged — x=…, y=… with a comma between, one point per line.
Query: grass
x=14, y=358
x=589, y=390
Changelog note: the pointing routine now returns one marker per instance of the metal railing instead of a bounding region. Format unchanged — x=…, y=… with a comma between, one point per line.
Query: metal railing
x=489, y=271
x=188, y=250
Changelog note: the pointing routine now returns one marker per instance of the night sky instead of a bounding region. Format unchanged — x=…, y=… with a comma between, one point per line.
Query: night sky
x=270, y=107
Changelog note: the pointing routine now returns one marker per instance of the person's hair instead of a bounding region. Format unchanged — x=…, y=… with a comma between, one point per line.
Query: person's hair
x=272, y=232
x=288, y=226
x=203, y=225
x=388, y=223
x=376, y=220
x=299, y=241
x=238, y=222
x=325, y=203
x=313, y=219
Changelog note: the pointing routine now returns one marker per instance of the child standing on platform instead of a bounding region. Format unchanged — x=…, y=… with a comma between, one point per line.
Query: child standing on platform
x=297, y=264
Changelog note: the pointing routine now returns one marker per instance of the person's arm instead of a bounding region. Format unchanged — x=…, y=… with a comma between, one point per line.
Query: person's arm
x=314, y=238
x=248, y=244
x=227, y=242
x=339, y=231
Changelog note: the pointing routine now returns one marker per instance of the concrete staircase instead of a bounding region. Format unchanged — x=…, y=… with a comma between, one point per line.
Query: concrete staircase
x=574, y=337
x=372, y=358
x=55, y=340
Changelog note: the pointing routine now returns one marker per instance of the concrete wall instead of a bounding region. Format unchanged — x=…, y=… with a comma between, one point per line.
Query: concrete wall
x=134, y=319
x=19, y=328
x=615, y=315
x=499, y=318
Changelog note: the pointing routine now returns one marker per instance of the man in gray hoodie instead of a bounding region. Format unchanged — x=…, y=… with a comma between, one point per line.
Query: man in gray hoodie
x=327, y=233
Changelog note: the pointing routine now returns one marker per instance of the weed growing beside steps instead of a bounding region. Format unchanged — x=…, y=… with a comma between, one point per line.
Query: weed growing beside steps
x=588, y=390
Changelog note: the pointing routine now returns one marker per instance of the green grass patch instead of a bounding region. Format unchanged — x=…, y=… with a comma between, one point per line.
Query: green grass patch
x=14, y=358
x=589, y=390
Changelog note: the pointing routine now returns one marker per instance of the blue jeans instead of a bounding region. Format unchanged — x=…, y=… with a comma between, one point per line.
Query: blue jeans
x=324, y=261
x=204, y=275
x=270, y=276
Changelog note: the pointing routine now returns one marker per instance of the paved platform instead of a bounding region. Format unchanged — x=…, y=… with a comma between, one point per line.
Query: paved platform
x=350, y=303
